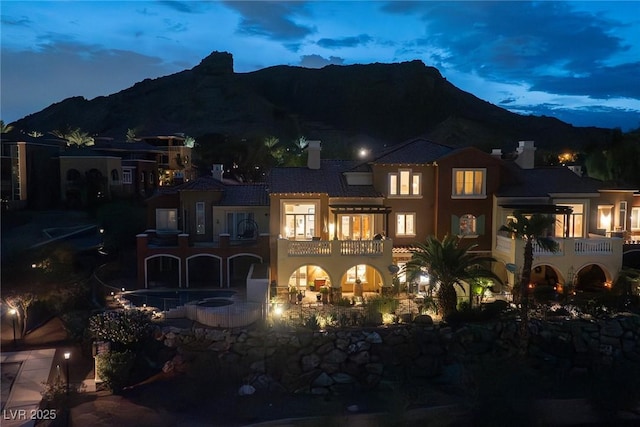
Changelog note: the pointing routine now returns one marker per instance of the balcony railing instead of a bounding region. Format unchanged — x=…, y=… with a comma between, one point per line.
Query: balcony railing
x=334, y=247
x=566, y=247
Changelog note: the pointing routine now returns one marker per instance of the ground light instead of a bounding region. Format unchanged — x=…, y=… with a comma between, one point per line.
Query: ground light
x=67, y=356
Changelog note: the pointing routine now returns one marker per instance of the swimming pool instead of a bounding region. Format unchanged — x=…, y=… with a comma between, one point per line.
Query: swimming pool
x=172, y=298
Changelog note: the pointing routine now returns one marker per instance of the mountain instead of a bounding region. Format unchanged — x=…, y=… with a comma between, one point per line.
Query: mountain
x=374, y=103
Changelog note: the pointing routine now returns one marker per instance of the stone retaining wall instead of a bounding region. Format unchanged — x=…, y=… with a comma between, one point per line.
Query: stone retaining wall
x=323, y=362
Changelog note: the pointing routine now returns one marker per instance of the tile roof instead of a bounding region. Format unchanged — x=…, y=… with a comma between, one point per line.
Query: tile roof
x=413, y=151
x=251, y=194
x=329, y=179
x=544, y=181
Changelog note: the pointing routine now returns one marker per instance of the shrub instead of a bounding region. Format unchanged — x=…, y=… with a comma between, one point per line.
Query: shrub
x=114, y=368
x=123, y=327
x=383, y=304
x=312, y=322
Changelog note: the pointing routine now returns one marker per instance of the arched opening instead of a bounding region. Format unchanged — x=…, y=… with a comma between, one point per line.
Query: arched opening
x=238, y=270
x=545, y=283
x=591, y=279
x=361, y=279
x=204, y=271
x=163, y=271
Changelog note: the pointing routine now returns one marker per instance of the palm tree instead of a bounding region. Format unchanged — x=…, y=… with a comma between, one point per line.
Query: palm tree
x=532, y=229
x=5, y=128
x=449, y=264
x=75, y=137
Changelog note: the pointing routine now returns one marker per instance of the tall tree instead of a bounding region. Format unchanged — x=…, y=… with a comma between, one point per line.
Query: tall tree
x=449, y=264
x=533, y=230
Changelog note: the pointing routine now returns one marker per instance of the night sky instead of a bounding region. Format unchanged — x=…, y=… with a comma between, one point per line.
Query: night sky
x=577, y=61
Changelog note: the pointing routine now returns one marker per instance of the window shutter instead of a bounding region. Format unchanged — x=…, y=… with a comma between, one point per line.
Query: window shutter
x=480, y=225
x=455, y=225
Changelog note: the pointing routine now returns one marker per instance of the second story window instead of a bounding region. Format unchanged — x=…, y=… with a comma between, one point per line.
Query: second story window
x=404, y=183
x=126, y=176
x=166, y=219
x=469, y=183
x=635, y=219
x=405, y=224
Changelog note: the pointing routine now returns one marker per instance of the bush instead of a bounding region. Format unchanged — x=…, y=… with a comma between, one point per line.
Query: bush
x=114, y=368
x=122, y=327
x=382, y=304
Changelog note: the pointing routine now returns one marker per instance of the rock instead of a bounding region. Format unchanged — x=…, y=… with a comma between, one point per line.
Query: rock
x=310, y=361
x=423, y=319
x=335, y=356
x=246, y=390
x=323, y=380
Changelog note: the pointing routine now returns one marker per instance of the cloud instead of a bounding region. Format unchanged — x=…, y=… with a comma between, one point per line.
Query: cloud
x=605, y=117
x=273, y=20
x=183, y=6
x=33, y=80
x=601, y=83
x=529, y=42
x=23, y=21
x=317, y=61
x=361, y=40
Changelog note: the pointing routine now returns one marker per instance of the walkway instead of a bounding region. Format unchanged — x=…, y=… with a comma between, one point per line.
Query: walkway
x=21, y=408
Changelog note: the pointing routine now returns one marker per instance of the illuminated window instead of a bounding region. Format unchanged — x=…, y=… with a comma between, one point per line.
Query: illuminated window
x=469, y=183
x=166, y=219
x=405, y=224
x=404, y=183
x=576, y=221
x=200, y=227
x=356, y=227
x=635, y=219
x=299, y=220
x=604, y=217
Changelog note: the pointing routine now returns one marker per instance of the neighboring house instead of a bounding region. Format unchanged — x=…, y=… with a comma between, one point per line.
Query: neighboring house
x=591, y=224
x=30, y=171
x=204, y=233
x=87, y=176
x=175, y=164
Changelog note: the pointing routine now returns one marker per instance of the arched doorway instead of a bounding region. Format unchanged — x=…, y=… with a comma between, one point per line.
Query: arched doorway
x=591, y=279
x=238, y=268
x=204, y=271
x=545, y=283
x=360, y=279
x=163, y=271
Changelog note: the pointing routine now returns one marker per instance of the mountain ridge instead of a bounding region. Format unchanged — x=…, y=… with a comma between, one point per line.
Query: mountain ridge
x=376, y=103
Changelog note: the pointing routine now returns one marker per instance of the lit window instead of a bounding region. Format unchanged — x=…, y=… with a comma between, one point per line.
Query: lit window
x=404, y=183
x=575, y=226
x=469, y=183
x=126, y=176
x=166, y=219
x=299, y=220
x=604, y=217
x=405, y=224
x=635, y=218
x=200, y=227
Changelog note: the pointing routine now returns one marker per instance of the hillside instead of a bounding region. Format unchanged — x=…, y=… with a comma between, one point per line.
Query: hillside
x=375, y=103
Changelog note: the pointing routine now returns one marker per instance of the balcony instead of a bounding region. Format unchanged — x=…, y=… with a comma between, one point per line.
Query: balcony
x=576, y=252
x=335, y=247
x=335, y=257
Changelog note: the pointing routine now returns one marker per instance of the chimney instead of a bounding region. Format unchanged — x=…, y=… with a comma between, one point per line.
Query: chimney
x=313, y=155
x=497, y=152
x=217, y=171
x=526, y=154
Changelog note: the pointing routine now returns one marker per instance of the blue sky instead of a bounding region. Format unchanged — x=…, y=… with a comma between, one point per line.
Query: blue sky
x=577, y=61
